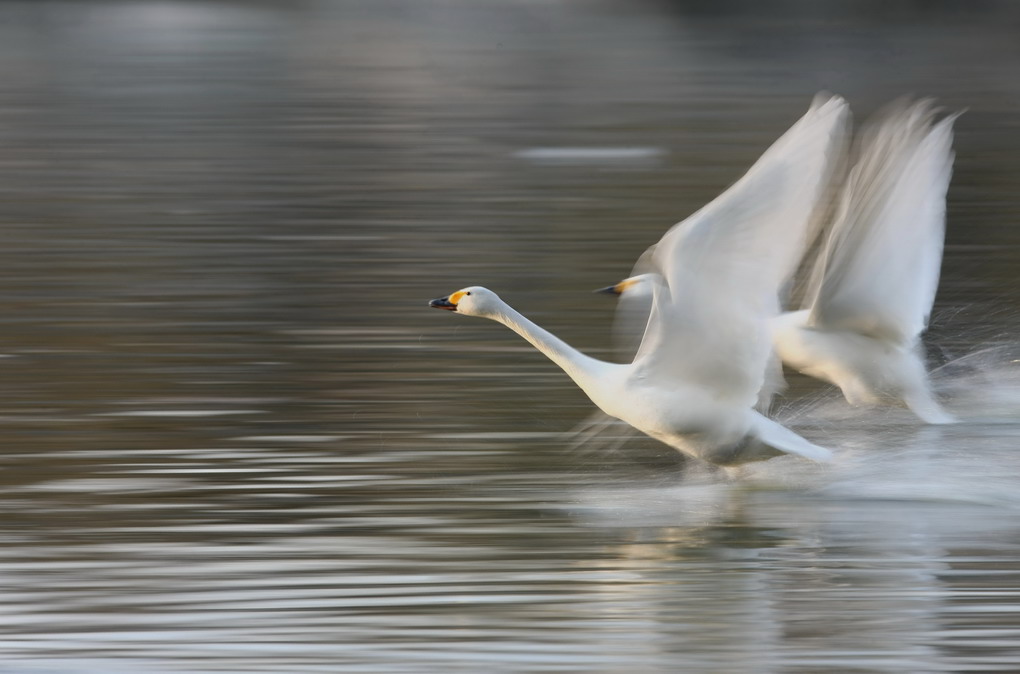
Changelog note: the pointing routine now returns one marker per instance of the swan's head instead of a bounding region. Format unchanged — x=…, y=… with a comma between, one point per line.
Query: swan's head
x=634, y=286
x=473, y=301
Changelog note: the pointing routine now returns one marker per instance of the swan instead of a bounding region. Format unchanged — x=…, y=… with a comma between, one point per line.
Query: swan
x=695, y=378
x=870, y=293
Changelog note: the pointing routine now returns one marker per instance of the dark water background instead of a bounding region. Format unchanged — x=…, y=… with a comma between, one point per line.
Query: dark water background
x=235, y=439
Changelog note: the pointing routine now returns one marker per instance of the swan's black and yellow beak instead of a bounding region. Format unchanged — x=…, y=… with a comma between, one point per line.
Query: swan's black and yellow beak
x=610, y=290
x=443, y=303
x=449, y=303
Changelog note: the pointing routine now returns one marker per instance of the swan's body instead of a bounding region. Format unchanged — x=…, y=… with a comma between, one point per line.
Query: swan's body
x=868, y=370
x=686, y=417
x=872, y=290
x=873, y=285
x=701, y=363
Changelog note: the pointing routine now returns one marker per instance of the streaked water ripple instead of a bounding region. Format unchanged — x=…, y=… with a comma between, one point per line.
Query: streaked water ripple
x=236, y=440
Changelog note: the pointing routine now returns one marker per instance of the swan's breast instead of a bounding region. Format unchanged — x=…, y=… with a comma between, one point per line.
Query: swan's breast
x=681, y=411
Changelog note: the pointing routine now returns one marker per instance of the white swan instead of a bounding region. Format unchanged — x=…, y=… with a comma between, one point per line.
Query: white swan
x=872, y=287
x=702, y=360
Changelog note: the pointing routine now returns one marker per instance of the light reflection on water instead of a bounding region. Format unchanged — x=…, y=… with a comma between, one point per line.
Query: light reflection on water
x=235, y=439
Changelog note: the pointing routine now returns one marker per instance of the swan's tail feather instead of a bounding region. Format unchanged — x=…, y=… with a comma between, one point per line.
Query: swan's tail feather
x=784, y=440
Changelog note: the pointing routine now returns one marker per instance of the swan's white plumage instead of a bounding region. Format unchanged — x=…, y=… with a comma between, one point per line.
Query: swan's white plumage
x=880, y=266
x=871, y=289
x=724, y=266
x=715, y=280
x=871, y=292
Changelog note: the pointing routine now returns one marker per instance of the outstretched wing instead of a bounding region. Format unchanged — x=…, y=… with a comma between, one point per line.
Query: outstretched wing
x=879, y=269
x=722, y=268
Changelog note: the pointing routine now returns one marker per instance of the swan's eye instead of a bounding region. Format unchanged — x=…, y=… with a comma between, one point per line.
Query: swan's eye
x=467, y=293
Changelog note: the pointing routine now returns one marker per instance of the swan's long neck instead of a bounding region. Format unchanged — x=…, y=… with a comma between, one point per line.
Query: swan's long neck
x=584, y=370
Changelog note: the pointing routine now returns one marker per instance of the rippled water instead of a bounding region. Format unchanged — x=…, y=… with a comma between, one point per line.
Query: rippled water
x=235, y=439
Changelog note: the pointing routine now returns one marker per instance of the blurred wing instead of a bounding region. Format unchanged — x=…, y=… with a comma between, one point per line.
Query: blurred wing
x=722, y=268
x=879, y=269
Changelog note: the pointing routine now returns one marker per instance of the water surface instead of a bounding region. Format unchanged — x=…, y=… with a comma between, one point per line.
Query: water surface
x=235, y=438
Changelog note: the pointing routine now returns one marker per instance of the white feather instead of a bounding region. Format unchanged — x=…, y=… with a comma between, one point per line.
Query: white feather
x=724, y=267
x=872, y=289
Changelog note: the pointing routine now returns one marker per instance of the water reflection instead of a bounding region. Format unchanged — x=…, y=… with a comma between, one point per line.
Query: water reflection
x=236, y=440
